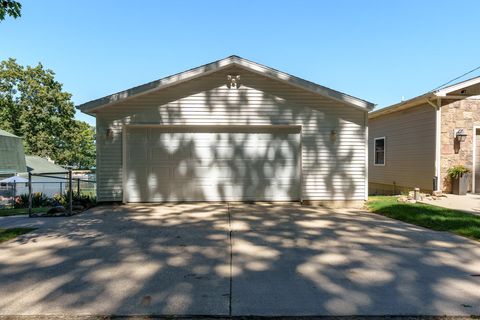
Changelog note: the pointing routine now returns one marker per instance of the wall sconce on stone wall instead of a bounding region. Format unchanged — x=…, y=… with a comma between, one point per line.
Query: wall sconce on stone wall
x=459, y=136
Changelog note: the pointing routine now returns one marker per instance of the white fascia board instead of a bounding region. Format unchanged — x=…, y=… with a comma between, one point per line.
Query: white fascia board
x=402, y=105
x=443, y=92
x=91, y=106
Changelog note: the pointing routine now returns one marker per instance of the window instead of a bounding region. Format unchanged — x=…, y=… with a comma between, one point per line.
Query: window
x=379, y=150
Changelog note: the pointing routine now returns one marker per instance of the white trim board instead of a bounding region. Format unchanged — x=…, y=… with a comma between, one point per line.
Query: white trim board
x=474, y=155
x=438, y=145
x=91, y=106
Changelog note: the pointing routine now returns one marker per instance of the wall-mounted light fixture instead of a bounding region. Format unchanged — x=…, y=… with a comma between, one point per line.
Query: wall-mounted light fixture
x=460, y=135
x=109, y=134
x=233, y=81
x=333, y=135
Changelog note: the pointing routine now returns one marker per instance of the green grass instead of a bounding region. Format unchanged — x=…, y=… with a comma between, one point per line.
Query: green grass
x=7, y=234
x=19, y=211
x=428, y=216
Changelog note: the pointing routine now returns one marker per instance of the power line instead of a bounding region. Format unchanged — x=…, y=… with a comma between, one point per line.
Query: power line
x=463, y=75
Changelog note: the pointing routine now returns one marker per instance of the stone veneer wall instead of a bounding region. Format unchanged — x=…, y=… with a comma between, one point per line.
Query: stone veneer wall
x=458, y=114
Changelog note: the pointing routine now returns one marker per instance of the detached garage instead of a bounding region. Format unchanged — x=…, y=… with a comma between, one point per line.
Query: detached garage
x=231, y=130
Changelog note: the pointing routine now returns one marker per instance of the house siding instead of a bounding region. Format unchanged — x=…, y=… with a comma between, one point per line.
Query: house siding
x=410, y=150
x=458, y=114
x=333, y=167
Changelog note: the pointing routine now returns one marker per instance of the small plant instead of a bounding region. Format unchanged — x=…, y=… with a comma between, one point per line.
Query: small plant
x=38, y=200
x=21, y=201
x=85, y=200
x=457, y=171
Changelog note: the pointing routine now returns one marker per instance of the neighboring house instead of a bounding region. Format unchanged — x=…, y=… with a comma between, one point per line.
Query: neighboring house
x=231, y=130
x=414, y=143
x=48, y=183
x=12, y=157
x=14, y=162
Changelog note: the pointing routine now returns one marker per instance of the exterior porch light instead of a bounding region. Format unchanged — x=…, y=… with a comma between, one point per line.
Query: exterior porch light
x=109, y=134
x=460, y=135
x=333, y=135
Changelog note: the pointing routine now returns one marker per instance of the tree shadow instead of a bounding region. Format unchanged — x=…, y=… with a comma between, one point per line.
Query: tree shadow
x=260, y=166
x=129, y=260
x=294, y=260
x=280, y=260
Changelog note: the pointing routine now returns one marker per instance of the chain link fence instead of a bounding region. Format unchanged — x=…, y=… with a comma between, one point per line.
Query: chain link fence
x=50, y=185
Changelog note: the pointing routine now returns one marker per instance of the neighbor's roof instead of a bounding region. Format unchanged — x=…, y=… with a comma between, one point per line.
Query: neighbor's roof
x=4, y=133
x=449, y=92
x=36, y=164
x=89, y=107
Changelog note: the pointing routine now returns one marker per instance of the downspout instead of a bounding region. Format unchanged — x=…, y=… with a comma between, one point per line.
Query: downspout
x=366, y=155
x=438, y=144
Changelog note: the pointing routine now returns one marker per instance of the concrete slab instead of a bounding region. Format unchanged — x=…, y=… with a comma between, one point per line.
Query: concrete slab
x=287, y=260
x=125, y=260
x=298, y=260
x=469, y=203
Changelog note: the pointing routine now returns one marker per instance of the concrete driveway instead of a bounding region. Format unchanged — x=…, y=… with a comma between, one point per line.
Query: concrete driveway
x=238, y=259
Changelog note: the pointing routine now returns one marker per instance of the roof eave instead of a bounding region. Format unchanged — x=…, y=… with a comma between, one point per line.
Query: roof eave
x=91, y=106
x=146, y=88
x=440, y=93
x=304, y=84
x=464, y=84
x=402, y=105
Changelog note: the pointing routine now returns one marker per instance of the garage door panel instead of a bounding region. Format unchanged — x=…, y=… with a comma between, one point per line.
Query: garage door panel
x=160, y=154
x=198, y=166
x=138, y=156
x=235, y=172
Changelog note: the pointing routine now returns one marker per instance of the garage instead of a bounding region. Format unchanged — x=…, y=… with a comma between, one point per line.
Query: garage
x=218, y=163
x=231, y=130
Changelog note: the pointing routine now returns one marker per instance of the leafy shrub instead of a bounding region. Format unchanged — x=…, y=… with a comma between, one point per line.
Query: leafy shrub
x=457, y=171
x=21, y=201
x=84, y=200
x=41, y=200
x=38, y=200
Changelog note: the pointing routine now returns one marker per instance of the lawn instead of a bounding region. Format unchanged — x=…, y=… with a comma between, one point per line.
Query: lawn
x=19, y=211
x=428, y=216
x=7, y=234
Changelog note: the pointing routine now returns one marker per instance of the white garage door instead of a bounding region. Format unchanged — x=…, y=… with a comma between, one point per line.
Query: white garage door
x=174, y=163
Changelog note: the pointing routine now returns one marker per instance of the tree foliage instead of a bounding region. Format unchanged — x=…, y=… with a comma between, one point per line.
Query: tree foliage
x=10, y=8
x=34, y=106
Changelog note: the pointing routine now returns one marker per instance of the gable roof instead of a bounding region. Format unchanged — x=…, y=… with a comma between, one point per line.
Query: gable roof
x=91, y=106
x=4, y=133
x=448, y=92
x=36, y=164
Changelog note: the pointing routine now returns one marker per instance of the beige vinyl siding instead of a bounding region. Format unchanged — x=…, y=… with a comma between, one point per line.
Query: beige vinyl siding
x=332, y=170
x=410, y=148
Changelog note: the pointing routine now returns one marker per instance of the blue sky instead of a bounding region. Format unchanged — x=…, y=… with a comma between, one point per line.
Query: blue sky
x=376, y=50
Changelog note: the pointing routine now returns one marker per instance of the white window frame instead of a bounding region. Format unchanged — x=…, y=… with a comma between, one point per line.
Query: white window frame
x=375, y=152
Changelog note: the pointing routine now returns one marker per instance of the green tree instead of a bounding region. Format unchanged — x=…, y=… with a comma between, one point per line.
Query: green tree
x=10, y=8
x=81, y=152
x=34, y=106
